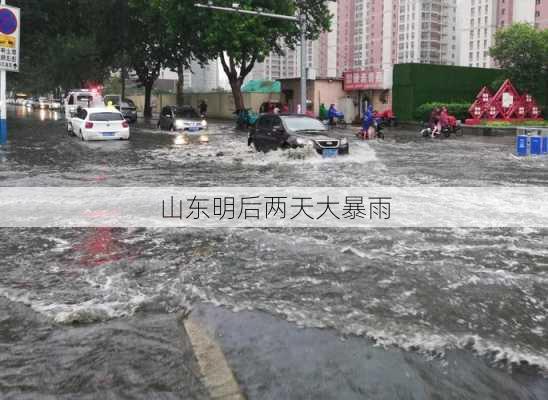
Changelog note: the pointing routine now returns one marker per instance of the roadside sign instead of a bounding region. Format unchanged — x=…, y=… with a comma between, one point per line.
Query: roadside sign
x=10, y=28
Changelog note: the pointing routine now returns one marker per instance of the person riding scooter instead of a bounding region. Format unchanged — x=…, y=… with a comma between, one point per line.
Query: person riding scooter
x=332, y=114
x=435, y=122
x=368, y=130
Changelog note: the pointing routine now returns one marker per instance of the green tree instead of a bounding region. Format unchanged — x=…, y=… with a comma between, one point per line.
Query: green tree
x=184, y=33
x=522, y=51
x=64, y=43
x=147, y=47
x=240, y=41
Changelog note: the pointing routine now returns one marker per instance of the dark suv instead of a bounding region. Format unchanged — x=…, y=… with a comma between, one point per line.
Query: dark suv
x=284, y=131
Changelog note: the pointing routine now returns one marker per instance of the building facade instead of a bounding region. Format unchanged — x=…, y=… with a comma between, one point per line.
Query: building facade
x=541, y=14
x=376, y=34
x=482, y=18
x=427, y=32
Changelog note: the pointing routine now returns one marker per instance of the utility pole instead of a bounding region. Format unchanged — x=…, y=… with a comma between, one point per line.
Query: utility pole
x=304, y=60
x=3, y=105
x=301, y=20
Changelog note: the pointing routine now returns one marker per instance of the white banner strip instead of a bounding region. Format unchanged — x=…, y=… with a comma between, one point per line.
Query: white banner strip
x=236, y=207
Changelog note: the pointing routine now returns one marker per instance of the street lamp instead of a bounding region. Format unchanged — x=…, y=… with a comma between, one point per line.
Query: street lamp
x=301, y=20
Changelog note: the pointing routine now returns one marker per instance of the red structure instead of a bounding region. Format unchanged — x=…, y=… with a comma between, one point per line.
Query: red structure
x=506, y=105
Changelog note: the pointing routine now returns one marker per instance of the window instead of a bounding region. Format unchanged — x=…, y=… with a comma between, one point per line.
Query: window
x=265, y=123
x=106, y=116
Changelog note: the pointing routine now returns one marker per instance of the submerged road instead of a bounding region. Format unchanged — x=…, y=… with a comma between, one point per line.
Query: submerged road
x=411, y=314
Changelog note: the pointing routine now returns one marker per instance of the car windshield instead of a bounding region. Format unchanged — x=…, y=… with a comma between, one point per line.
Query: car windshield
x=129, y=103
x=106, y=116
x=303, y=124
x=186, y=113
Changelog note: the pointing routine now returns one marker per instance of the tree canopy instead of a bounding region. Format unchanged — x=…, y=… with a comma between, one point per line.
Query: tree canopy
x=522, y=51
x=68, y=43
x=65, y=43
x=240, y=41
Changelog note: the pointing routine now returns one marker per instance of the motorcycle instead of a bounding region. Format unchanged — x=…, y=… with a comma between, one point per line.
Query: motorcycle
x=452, y=128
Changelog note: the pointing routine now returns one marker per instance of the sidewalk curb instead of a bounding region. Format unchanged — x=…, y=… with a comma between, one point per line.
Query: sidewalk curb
x=218, y=378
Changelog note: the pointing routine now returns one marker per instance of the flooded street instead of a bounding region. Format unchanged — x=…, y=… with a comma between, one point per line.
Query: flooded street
x=445, y=313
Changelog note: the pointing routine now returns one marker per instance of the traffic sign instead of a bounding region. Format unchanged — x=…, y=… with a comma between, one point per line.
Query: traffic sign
x=8, y=21
x=10, y=28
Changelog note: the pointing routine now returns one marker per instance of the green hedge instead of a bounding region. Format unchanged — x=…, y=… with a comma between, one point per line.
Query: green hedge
x=459, y=110
x=417, y=84
x=527, y=122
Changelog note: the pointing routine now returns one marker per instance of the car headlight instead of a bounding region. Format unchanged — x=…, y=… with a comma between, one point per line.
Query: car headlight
x=204, y=123
x=304, y=142
x=344, y=141
x=179, y=124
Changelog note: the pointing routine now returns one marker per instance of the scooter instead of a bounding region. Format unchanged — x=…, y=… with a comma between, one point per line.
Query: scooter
x=378, y=126
x=446, y=131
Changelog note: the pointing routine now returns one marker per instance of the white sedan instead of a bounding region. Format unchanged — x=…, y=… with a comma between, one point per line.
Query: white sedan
x=98, y=124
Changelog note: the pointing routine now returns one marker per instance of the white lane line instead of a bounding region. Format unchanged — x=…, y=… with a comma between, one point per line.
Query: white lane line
x=218, y=377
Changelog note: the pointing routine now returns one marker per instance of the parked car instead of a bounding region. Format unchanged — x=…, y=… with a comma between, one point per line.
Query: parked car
x=81, y=98
x=286, y=131
x=20, y=98
x=128, y=108
x=42, y=103
x=55, y=104
x=98, y=124
x=30, y=103
x=185, y=118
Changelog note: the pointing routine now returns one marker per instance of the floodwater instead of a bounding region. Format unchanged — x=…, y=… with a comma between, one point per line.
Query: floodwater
x=87, y=311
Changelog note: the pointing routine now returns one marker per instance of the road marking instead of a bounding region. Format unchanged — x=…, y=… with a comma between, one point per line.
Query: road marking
x=218, y=377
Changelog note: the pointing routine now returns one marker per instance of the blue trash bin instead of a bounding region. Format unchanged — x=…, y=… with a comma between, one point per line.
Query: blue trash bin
x=522, y=145
x=545, y=144
x=536, y=145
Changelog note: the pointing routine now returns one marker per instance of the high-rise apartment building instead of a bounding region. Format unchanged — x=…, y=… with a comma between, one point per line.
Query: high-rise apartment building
x=482, y=18
x=376, y=34
x=427, y=32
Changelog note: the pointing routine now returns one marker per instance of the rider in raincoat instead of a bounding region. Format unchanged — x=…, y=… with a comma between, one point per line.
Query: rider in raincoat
x=367, y=123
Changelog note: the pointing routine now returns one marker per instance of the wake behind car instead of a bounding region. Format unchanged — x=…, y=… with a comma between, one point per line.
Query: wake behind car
x=98, y=124
x=286, y=131
x=183, y=118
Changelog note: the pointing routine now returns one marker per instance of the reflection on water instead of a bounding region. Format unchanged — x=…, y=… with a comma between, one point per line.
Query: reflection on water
x=21, y=111
x=180, y=140
x=185, y=139
x=42, y=114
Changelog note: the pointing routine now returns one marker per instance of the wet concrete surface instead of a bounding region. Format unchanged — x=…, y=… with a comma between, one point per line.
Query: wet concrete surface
x=273, y=360
x=456, y=312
